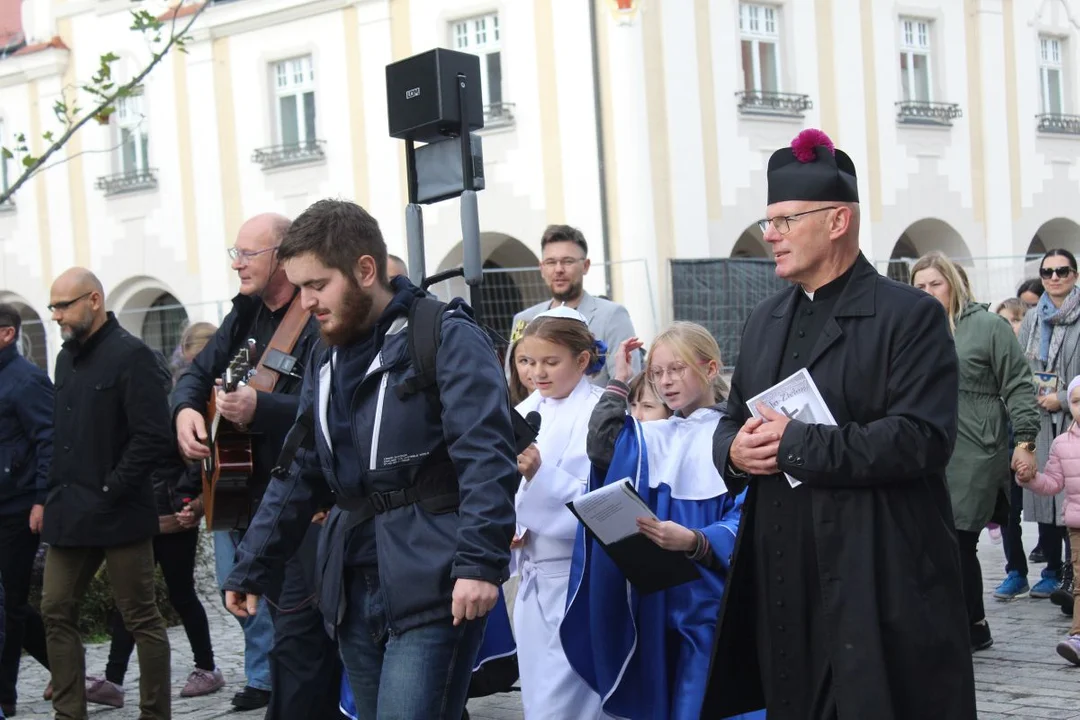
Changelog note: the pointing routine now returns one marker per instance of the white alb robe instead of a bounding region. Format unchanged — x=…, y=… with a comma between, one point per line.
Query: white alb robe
x=550, y=688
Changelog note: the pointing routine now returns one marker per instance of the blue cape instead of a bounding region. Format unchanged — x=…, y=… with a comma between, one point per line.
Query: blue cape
x=648, y=655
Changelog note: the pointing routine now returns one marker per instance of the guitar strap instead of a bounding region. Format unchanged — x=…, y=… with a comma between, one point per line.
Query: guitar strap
x=284, y=340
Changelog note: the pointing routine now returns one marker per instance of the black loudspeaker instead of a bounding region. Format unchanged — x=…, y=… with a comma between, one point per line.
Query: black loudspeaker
x=422, y=95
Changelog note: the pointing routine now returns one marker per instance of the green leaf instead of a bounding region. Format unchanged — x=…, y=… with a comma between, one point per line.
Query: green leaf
x=47, y=135
x=6, y=154
x=28, y=161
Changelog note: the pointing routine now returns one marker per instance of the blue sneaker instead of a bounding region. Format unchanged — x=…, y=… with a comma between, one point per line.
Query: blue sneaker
x=1013, y=586
x=1049, y=583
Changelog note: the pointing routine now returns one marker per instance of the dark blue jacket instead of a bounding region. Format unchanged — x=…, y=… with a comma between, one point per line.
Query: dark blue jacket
x=26, y=433
x=420, y=553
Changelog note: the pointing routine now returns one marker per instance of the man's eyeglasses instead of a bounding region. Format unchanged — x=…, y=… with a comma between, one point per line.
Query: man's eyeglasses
x=566, y=262
x=782, y=223
x=65, y=304
x=1062, y=272
x=246, y=255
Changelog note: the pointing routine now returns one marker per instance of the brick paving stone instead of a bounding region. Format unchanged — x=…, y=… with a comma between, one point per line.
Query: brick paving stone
x=1021, y=676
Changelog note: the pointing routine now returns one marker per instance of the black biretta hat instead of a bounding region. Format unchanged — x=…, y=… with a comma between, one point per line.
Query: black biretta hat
x=812, y=169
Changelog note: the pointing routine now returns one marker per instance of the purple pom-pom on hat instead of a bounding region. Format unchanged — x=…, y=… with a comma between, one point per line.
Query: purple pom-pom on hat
x=804, y=143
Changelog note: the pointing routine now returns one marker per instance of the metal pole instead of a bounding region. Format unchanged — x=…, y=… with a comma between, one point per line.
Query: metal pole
x=414, y=220
x=471, y=263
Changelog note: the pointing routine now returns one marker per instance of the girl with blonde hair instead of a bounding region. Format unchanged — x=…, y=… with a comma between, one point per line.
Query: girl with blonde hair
x=650, y=658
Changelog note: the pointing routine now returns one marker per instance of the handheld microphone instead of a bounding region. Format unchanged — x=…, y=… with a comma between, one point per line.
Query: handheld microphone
x=533, y=419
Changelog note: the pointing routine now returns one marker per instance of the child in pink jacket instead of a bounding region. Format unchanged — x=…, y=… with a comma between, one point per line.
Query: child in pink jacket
x=1063, y=471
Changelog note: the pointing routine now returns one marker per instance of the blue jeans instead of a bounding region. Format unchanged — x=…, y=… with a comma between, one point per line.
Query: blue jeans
x=258, y=630
x=420, y=673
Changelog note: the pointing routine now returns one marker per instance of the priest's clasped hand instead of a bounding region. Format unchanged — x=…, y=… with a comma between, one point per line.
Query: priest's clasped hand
x=755, y=447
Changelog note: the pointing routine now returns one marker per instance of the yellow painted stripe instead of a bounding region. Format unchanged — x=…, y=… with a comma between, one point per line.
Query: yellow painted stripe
x=226, y=124
x=975, y=112
x=550, y=139
x=659, y=152
x=357, y=128
x=707, y=96
x=873, y=133
x=611, y=173
x=185, y=151
x=80, y=225
x=827, y=102
x=401, y=47
x=41, y=192
x=1013, y=108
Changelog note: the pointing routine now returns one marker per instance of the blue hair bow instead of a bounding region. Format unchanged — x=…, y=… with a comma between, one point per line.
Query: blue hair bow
x=601, y=358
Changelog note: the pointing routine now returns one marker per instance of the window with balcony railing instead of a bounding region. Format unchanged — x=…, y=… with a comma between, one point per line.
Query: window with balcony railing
x=481, y=36
x=131, y=157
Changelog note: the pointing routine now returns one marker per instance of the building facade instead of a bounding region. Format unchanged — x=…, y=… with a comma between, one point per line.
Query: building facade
x=647, y=124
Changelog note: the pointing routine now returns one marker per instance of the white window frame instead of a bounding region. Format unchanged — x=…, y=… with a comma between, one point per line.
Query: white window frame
x=916, y=38
x=130, y=115
x=1051, y=57
x=295, y=76
x=481, y=35
x=760, y=23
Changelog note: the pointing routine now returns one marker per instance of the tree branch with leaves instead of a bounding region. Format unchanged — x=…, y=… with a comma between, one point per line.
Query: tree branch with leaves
x=102, y=90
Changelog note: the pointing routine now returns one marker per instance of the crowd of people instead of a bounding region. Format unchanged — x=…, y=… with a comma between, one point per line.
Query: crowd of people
x=401, y=472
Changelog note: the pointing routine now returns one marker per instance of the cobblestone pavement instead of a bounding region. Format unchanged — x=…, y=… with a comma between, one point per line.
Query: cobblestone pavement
x=1019, y=677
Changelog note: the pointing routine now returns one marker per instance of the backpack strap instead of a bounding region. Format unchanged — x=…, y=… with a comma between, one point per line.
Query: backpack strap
x=424, y=337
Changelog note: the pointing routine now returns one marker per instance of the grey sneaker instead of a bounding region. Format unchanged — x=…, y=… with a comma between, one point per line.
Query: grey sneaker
x=102, y=692
x=203, y=682
x=1069, y=648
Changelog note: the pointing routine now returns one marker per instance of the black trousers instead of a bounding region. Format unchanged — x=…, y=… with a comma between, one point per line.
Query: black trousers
x=175, y=553
x=971, y=575
x=305, y=668
x=1051, y=539
x=1015, y=557
x=24, y=628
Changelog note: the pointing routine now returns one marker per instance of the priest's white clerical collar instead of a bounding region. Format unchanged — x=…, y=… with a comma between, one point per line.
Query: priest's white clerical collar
x=808, y=293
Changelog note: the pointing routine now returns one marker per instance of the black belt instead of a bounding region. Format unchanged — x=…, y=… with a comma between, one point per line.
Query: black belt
x=440, y=495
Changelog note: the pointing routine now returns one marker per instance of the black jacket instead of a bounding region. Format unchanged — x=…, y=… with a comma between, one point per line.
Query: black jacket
x=274, y=412
x=421, y=551
x=111, y=432
x=887, y=555
x=26, y=432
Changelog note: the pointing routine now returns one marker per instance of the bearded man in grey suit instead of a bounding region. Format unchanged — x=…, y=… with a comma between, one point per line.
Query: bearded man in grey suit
x=564, y=264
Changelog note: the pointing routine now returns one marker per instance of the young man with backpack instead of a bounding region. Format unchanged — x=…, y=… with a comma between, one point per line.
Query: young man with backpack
x=405, y=418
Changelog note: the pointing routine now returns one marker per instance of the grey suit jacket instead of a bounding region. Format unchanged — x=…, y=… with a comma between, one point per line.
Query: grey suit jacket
x=609, y=321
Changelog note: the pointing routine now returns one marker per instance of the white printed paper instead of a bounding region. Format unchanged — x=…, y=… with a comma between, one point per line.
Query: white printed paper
x=798, y=398
x=611, y=512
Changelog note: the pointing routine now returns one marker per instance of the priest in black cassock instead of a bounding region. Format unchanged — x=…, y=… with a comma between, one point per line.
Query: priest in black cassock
x=844, y=600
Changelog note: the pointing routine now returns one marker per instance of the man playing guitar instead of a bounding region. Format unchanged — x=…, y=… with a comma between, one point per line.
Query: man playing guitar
x=294, y=677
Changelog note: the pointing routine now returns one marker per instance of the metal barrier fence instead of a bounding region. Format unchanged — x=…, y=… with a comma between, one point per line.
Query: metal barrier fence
x=504, y=293
x=720, y=293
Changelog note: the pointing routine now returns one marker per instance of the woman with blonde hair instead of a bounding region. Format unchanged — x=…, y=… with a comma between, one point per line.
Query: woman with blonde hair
x=995, y=388
x=648, y=655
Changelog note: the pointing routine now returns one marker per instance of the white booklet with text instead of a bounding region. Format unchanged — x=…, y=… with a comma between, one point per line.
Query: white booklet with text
x=797, y=397
x=611, y=512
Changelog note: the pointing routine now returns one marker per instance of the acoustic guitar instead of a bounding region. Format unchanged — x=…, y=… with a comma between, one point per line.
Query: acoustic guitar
x=226, y=472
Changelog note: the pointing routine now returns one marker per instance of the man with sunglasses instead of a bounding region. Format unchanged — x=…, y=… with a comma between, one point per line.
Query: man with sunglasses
x=110, y=431
x=288, y=659
x=563, y=267
x=844, y=599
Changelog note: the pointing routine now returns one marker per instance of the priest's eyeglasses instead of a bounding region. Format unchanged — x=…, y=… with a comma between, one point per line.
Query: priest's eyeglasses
x=781, y=223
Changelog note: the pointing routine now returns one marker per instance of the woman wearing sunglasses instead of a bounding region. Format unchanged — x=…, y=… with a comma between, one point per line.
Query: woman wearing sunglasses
x=1050, y=337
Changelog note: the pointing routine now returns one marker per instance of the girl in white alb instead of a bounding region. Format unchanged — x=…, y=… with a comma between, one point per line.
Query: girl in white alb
x=559, y=352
